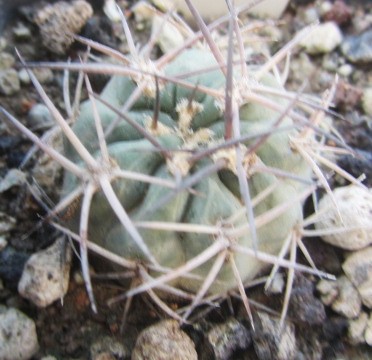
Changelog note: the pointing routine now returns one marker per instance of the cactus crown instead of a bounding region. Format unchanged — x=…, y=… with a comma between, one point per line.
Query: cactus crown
x=190, y=170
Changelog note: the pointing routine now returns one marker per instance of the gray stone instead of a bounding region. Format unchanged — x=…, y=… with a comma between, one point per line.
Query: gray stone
x=164, y=341
x=358, y=268
x=342, y=296
x=323, y=39
x=6, y=61
x=18, y=338
x=227, y=338
x=358, y=48
x=39, y=117
x=46, y=274
x=107, y=348
x=272, y=342
x=9, y=82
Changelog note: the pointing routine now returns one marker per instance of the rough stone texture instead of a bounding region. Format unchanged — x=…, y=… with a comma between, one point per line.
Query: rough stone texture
x=368, y=332
x=354, y=204
x=358, y=268
x=164, y=341
x=18, y=338
x=304, y=306
x=367, y=101
x=108, y=348
x=59, y=21
x=9, y=82
x=358, y=48
x=46, y=274
x=357, y=329
x=322, y=39
x=341, y=295
x=271, y=342
x=228, y=337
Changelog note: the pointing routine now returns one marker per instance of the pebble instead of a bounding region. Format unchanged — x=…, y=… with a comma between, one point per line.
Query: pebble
x=322, y=39
x=18, y=338
x=3, y=242
x=368, y=332
x=367, y=101
x=45, y=276
x=39, y=117
x=11, y=265
x=354, y=204
x=43, y=75
x=358, y=268
x=7, y=222
x=168, y=35
x=108, y=348
x=58, y=23
x=341, y=295
x=164, y=341
x=23, y=76
x=22, y=32
x=357, y=328
x=6, y=61
x=13, y=177
x=272, y=342
x=9, y=82
x=228, y=337
x=345, y=70
x=304, y=306
x=340, y=13
x=358, y=48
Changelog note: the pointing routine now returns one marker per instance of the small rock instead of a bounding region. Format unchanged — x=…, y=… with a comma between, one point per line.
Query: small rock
x=304, y=306
x=345, y=70
x=24, y=77
x=358, y=48
x=353, y=229
x=168, y=35
x=341, y=295
x=357, y=329
x=11, y=265
x=13, y=177
x=347, y=96
x=368, y=332
x=39, y=117
x=164, y=341
x=227, y=338
x=18, y=338
x=7, y=223
x=322, y=39
x=46, y=274
x=9, y=82
x=6, y=61
x=358, y=268
x=272, y=342
x=3, y=243
x=367, y=101
x=108, y=348
x=58, y=23
x=340, y=13
x=43, y=75
x=22, y=32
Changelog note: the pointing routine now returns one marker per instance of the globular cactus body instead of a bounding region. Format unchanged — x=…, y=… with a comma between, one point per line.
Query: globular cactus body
x=215, y=199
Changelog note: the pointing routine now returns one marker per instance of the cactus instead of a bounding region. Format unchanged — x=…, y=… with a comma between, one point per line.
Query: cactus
x=189, y=170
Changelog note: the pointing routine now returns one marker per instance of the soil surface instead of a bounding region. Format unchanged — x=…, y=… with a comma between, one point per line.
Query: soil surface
x=69, y=329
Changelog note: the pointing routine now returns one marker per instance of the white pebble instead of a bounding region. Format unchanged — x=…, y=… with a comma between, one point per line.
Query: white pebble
x=367, y=101
x=358, y=268
x=45, y=276
x=351, y=220
x=322, y=39
x=18, y=338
